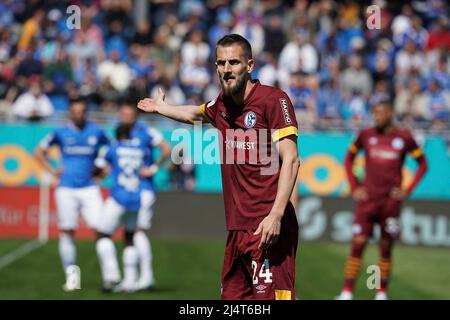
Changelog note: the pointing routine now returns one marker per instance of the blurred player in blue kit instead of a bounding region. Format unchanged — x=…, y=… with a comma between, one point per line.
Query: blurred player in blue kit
x=138, y=246
x=79, y=142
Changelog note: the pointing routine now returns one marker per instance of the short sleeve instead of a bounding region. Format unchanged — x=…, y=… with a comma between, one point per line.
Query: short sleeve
x=358, y=144
x=49, y=140
x=155, y=136
x=281, y=116
x=209, y=111
x=412, y=147
x=103, y=138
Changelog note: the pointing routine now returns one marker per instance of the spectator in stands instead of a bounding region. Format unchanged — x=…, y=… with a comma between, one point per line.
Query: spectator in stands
x=439, y=34
x=268, y=73
x=222, y=26
x=274, y=36
x=298, y=55
x=116, y=72
x=410, y=104
x=356, y=78
x=28, y=65
x=303, y=99
x=408, y=58
x=249, y=25
x=31, y=29
x=438, y=104
x=355, y=108
x=194, y=51
x=330, y=100
x=33, y=105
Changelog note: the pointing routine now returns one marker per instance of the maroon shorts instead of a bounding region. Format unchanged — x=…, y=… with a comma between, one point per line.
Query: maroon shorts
x=385, y=212
x=249, y=273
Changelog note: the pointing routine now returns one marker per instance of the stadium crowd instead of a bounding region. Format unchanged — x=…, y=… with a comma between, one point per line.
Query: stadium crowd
x=320, y=52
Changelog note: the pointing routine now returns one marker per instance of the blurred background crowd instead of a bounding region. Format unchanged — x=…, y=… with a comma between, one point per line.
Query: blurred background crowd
x=333, y=67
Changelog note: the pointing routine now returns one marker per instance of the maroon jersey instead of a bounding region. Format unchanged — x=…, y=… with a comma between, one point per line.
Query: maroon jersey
x=250, y=170
x=384, y=157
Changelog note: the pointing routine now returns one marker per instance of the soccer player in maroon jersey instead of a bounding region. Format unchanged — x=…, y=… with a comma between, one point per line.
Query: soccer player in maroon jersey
x=380, y=195
x=251, y=118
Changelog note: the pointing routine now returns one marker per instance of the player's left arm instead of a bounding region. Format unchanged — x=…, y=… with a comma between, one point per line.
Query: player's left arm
x=417, y=153
x=290, y=163
x=419, y=156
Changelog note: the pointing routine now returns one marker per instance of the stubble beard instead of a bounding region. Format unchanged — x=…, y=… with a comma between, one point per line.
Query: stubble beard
x=237, y=88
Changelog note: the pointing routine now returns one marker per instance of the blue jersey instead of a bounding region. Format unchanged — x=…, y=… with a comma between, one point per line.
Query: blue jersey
x=78, y=148
x=146, y=138
x=126, y=158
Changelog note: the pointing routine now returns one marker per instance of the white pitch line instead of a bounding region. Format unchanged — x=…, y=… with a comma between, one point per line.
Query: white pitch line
x=21, y=251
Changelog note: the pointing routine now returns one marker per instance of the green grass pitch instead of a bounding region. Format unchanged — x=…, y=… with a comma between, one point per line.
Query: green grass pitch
x=190, y=269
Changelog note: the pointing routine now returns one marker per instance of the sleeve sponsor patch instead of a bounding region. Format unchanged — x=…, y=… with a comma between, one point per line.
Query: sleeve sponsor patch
x=285, y=110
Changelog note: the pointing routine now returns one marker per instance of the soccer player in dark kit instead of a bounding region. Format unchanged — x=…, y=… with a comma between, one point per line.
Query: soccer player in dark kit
x=256, y=123
x=379, y=197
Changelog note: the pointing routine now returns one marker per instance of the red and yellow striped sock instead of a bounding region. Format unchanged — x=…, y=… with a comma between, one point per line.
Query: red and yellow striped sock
x=385, y=270
x=352, y=268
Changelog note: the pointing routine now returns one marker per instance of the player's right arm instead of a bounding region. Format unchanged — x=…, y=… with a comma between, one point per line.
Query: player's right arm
x=101, y=163
x=185, y=113
x=358, y=192
x=41, y=154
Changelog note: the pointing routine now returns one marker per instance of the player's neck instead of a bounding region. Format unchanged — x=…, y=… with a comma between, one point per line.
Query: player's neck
x=79, y=125
x=240, y=98
x=386, y=129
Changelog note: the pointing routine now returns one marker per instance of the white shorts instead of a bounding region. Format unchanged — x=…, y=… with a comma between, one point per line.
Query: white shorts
x=115, y=214
x=71, y=201
x=145, y=214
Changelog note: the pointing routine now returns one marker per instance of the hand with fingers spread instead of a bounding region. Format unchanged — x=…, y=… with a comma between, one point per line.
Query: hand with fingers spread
x=152, y=105
x=269, y=229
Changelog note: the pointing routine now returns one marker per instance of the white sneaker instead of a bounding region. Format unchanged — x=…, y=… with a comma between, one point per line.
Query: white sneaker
x=381, y=296
x=109, y=286
x=126, y=286
x=145, y=284
x=72, y=279
x=345, y=295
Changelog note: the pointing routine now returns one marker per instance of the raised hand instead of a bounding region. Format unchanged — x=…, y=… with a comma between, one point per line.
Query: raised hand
x=151, y=105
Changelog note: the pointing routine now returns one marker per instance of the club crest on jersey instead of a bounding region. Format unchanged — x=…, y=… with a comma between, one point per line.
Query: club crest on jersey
x=92, y=140
x=398, y=143
x=250, y=119
x=373, y=140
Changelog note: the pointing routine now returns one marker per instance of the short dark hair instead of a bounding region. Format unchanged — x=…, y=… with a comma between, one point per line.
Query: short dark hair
x=234, y=38
x=123, y=131
x=127, y=103
x=385, y=101
x=75, y=100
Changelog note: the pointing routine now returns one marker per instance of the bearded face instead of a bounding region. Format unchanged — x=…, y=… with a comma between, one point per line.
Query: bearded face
x=233, y=69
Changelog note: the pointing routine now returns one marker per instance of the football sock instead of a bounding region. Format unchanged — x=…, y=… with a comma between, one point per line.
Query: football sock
x=385, y=269
x=130, y=262
x=352, y=268
x=144, y=249
x=385, y=262
x=109, y=266
x=67, y=250
x=353, y=263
